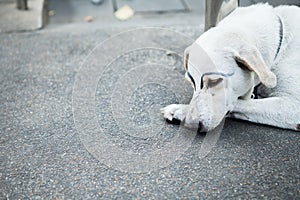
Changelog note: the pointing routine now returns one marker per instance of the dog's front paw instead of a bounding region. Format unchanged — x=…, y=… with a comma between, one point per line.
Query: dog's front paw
x=175, y=111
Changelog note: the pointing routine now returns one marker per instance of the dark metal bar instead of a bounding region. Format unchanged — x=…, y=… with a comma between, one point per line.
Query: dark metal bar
x=215, y=8
x=22, y=4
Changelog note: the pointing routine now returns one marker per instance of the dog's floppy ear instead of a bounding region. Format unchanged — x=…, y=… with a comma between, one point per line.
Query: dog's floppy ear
x=249, y=57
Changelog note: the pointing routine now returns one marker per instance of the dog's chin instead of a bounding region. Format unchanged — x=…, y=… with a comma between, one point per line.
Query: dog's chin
x=203, y=127
x=196, y=127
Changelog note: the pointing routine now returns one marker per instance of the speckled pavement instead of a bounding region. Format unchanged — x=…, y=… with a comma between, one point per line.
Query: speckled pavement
x=44, y=153
x=42, y=156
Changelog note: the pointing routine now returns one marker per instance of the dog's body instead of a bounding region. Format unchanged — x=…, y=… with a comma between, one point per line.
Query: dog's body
x=261, y=45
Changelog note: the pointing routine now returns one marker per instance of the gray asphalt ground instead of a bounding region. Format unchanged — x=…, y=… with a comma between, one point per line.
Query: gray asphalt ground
x=42, y=151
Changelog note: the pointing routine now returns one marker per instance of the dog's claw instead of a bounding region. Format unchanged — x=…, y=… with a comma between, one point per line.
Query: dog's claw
x=167, y=115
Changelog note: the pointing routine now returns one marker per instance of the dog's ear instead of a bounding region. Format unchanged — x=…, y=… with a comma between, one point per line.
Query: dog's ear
x=249, y=57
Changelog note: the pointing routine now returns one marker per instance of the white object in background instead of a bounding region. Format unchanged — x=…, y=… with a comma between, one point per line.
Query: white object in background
x=124, y=13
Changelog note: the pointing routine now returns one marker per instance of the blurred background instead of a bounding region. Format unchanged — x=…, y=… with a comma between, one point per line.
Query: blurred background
x=101, y=13
x=147, y=12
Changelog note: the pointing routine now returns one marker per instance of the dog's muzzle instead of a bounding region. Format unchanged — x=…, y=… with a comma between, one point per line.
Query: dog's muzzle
x=196, y=125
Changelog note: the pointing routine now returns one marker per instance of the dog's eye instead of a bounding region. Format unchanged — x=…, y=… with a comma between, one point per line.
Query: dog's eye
x=214, y=82
x=190, y=79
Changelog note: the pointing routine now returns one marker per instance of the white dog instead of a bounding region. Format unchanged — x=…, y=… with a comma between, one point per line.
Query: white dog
x=253, y=49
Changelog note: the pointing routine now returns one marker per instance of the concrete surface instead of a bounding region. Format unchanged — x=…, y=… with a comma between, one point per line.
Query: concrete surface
x=152, y=6
x=73, y=12
x=42, y=155
x=14, y=20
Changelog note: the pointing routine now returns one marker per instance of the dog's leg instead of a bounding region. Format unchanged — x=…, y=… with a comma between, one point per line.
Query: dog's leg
x=175, y=111
x=274, y=111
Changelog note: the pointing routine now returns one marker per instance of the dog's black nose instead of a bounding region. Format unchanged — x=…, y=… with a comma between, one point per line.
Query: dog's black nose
x=174, y=121
x=201, y=128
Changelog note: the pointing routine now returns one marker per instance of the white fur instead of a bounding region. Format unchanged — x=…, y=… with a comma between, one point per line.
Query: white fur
x=253, y=31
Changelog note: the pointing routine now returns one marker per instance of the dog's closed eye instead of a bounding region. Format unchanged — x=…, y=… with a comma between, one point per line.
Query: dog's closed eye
x=214, y=82
x=189, y=77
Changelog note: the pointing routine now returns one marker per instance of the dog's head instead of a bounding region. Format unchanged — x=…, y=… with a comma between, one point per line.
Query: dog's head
x=219, y=78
